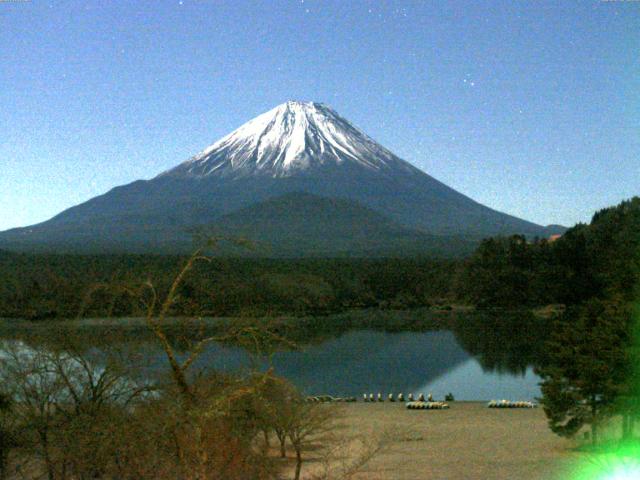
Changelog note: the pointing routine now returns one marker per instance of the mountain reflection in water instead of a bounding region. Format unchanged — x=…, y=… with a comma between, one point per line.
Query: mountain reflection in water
x=481, y=356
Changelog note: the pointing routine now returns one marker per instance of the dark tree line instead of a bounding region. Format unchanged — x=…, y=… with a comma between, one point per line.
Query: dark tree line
x=41, y=287
x=591, y=361
x=599, y=260
x=588, y=376
x=589, y=261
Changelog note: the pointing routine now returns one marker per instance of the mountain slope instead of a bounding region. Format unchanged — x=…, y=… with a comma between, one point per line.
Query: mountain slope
x=296, y=147
x=297, y=224
x=295, y=138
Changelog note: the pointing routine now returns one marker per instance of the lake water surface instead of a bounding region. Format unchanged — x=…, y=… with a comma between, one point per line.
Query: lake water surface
x=478, y=359
x=372, y=361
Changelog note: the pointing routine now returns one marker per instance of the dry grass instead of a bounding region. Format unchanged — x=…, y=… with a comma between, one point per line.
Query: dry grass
x=468, y=441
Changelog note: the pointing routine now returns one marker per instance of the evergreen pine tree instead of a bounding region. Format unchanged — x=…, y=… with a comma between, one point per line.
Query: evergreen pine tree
x=587, y=366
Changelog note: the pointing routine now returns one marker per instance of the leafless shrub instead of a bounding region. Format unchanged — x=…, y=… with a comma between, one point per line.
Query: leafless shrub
x=347, y=457
x=85, y=416
x=68, y=407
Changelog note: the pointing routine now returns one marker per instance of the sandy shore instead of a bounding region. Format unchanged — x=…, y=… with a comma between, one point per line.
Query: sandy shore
x=468, y=441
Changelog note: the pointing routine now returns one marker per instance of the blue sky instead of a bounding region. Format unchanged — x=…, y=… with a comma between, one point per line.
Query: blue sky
x=532, y=108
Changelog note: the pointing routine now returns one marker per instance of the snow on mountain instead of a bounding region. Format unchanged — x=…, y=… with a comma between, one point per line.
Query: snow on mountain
x=285, y=176
x=293, y=138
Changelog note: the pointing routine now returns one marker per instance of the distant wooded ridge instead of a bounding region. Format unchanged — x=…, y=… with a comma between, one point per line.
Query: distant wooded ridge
x=595, y=260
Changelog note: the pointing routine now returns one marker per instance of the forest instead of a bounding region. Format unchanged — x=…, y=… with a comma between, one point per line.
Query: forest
x=56, y=411
x=598, y=260
x=40, y=287
x=591, y=366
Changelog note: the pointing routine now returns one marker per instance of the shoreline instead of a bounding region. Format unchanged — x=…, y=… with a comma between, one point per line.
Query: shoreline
x=468, y=440
x=431, y=313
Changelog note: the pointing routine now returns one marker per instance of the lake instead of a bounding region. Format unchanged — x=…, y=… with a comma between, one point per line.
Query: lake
x=477, y=358
x=371, y=361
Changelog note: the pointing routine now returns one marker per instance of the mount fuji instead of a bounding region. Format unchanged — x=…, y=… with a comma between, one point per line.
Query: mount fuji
x=293, y=139
x=299, y=178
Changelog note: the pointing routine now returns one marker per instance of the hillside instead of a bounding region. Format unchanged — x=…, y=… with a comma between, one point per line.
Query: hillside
x=298, y=147
x=298, y=224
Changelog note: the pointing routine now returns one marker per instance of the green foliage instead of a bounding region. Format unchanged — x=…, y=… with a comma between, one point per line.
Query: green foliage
x=598, y=260
x=40, y=287
x=490, y=338
x=500, y=273
x=587, y=368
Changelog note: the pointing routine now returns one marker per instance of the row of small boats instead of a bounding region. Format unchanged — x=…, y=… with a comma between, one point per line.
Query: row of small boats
x=400, y=398
x=510, y=404
x=427, y=405
x=422, y=403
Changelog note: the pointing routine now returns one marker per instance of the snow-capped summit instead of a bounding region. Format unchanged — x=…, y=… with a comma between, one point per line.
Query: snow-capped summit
x=293, y=138
x=300, y=179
